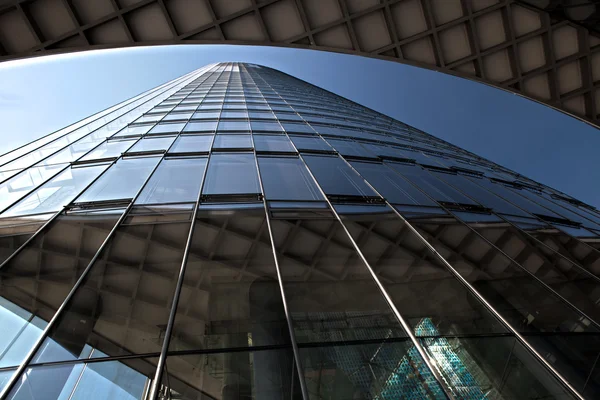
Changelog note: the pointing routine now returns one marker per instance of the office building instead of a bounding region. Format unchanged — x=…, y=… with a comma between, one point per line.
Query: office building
x=238, y=233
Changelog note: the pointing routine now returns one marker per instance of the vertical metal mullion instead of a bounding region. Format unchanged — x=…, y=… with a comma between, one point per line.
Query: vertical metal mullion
x=19, y=372
x=475, y=293
x=436, y=374
x=155, y=387
x=288, y=317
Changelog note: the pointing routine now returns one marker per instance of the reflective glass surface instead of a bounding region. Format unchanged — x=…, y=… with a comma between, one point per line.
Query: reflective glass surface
x=34, y=283
x=192, y=143
x=21, y=184
x=310, y=143
x=123, y=303
x=152, y=144
x=275, y=143
x=174, y=181
x=111, y=148
x=336, y=178
x=264, y=374
x=122, y=180
x=58, y=192
x=286, y=178
x=550, y=324
x=201, y=126
x=233, y=142
x=233, y=173
x=321, y=274
x=279, y=294
x=239, y=302
x=119, y=380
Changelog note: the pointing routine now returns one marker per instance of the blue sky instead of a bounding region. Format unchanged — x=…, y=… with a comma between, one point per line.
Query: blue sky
x=41, y=95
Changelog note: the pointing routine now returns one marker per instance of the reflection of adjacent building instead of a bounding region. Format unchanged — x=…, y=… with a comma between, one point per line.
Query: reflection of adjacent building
x=258, y=238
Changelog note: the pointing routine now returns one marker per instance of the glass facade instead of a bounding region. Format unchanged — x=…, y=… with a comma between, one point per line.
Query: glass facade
x=240, y=234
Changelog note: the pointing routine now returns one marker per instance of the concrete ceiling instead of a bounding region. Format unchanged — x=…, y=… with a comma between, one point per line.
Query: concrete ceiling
x=548, y=50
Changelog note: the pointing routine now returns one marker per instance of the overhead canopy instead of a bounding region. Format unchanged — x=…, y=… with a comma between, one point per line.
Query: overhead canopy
x=545, y=50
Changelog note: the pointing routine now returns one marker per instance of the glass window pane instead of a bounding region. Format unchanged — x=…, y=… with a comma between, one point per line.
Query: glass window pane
x=174, y=181
x=293, y=117
x=192, y=143
x=15, y=231
x=231, y=174
x=437, y=189
x=121, y=181
x=22, y=183
x=234, y=126
x=207, y=115
x=566, y=210
x=259, y=126
x=232, y=142
x=167, y=128
x=133, y=130
x=310, y=143
x=481, y=195
x=111, y=148
x=297, y=128
x=203, y=126
x=210, y=106
x=178, y=116
x=336, y=178
x=511, y=196
x=239, y=301
x=273, y=143
x=391, y=185
x=348, y=148
x=71, y=153
x=123, y=303
x=118, y=380
x=37, y=280
x=322, y=274
x=263, y=115
x=257, y=375
x=287, y=179
x=392, y=370
x=234, y=114
x=152, y=144
x=58, y=192
x=150, y=118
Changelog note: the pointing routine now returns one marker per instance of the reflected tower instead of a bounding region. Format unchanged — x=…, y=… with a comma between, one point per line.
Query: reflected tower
x=240, y=234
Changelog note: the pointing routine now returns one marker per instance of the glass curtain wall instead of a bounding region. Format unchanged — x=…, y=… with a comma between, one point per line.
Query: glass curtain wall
x=240, y=234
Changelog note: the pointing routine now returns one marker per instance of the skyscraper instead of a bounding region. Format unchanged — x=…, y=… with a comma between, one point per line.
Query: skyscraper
x=238, y=233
